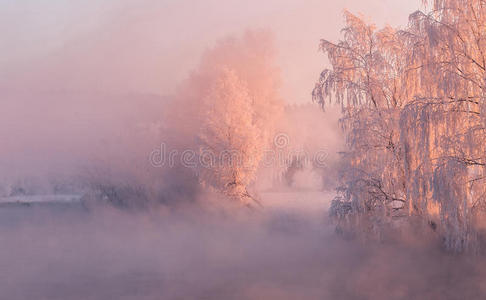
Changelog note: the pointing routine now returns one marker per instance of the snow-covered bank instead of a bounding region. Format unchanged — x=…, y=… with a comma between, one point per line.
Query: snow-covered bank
x=40, y=199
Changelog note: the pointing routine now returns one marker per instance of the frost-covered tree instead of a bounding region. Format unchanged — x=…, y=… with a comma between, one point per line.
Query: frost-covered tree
x=443, y=131
x=367, y=79
x=230, y=142
x=413, y=110
x=228, y=109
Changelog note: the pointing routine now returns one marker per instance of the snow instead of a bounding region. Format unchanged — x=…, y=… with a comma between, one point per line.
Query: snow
x=40, y=199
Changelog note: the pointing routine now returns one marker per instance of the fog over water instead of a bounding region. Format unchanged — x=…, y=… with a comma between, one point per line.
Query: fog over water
x=195, y=253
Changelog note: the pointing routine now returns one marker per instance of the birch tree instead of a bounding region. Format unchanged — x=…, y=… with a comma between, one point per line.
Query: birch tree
x=366, y=80
x=230, y=142
x=413, y=110
x=226, y=114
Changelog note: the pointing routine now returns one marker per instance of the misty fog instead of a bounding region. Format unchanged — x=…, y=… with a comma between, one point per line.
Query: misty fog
x=98, y=199
x=195, y=253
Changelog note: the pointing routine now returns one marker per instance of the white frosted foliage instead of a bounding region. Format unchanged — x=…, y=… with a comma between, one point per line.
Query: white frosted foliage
x=413, y=110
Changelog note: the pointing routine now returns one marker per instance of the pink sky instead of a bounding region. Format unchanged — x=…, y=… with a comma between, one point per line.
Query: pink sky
x=148, y=46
